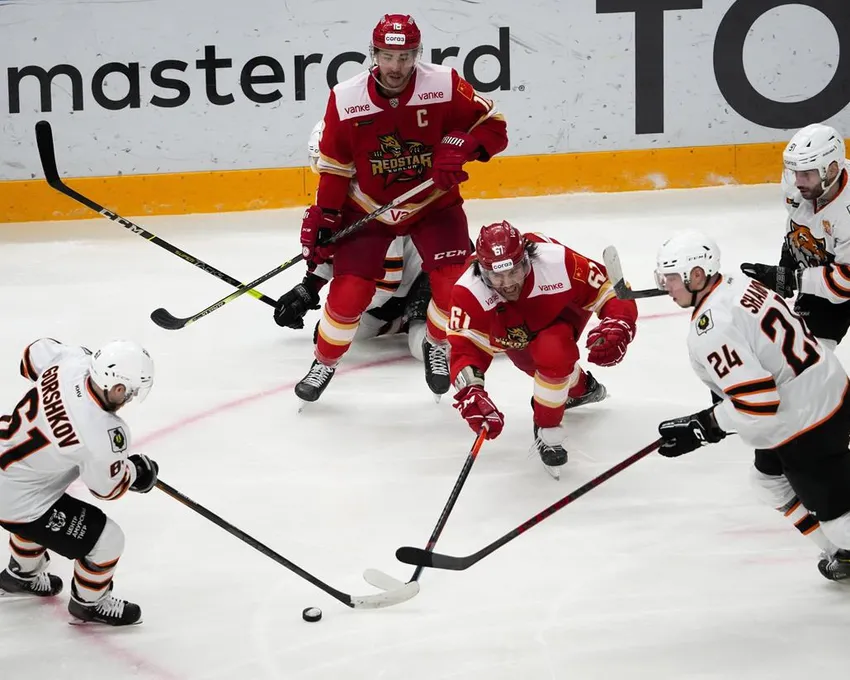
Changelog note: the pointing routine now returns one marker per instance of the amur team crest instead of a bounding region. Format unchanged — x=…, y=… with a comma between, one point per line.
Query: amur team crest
x=805, y=246
x=400, y=160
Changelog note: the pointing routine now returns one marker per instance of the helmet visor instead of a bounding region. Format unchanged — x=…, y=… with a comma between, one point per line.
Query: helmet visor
x=506, y=273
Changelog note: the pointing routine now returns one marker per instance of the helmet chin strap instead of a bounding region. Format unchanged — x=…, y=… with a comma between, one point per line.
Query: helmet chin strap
x=826, y=187
x=694, y=293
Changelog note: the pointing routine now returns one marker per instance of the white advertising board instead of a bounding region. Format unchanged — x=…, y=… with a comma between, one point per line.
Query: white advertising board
x=153, y=86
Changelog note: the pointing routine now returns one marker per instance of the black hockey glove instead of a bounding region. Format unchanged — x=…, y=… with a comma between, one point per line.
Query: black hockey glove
x=686, y=434
x=780, y=279
x=146, y=472
x=293, y=306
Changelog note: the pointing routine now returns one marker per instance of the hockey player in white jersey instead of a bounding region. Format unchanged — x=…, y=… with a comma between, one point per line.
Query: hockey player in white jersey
x=781, y=390
x=401, y=298
x=815, y=259
x=66, y=428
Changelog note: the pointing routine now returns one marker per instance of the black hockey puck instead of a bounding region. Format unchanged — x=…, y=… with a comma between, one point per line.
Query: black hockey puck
x=312, y=614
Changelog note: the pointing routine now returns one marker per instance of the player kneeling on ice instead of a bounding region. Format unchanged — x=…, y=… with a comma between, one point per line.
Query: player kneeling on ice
x=776, y=385
x=531, y=297
x=65, y=428
x=402, y=295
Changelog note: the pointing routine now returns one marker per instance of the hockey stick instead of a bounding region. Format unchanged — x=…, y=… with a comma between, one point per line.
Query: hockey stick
x=437, y=561
x=47, y=154
x=163, y=318
x=381, y=580
x=611, y=258
x=377, y=601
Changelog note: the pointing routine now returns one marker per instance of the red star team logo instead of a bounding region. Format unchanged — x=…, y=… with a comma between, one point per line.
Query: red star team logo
x=400, y=160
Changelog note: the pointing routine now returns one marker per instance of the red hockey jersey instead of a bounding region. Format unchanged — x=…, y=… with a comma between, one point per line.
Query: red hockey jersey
x=482, y=322
x=375, y=148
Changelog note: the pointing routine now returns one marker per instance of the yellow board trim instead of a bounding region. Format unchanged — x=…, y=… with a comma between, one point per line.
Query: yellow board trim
x=502, y=177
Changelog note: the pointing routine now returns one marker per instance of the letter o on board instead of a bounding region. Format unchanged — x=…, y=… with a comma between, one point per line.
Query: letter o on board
x=743, y=97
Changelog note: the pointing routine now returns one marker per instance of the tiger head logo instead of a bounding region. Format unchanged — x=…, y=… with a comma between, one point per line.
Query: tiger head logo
x=807, y=249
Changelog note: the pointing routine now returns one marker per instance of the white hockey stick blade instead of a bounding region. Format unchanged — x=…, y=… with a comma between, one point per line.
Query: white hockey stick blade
x=611, y=258
x=386, y=599
x=381, y=580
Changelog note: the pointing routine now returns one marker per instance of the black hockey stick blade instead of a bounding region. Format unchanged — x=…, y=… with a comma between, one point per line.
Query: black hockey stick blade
x=165, y=319
x=611, y=258
x=424, y=558
x=47, y=152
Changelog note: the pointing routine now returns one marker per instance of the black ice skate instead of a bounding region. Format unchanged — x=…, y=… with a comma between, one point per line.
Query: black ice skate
x=417, y=301
x=837, y=567
x=109, y=610
x=13, y=581
x=595, y=392
x=314, y=383
x=436, y=357
x=552, y=455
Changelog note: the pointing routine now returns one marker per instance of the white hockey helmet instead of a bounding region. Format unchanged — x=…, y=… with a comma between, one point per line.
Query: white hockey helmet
x=682, y=253
x=123, y=362
x=313, y=145
x=815, y=147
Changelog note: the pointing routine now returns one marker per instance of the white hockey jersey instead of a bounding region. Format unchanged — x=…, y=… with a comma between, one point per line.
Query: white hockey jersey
x=776, y=380
x=57, y=433
x=818, y=237
x=402, y=265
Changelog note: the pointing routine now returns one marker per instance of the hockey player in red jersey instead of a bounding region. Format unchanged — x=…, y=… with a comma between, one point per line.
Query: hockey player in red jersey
x=531, y=297
x=387, y=129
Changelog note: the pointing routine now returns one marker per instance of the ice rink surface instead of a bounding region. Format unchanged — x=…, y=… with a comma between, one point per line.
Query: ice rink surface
x=670, y=570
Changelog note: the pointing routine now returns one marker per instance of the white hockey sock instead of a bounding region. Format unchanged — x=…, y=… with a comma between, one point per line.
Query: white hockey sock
x=93, y=573
x=807, y=524
x=29, y=555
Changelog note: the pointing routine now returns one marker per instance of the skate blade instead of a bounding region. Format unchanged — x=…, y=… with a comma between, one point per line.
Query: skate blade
x=98, y=624
x=302, y=404
x=554, y=471
x=6, y=595
x=437, y=397
x=381, y=580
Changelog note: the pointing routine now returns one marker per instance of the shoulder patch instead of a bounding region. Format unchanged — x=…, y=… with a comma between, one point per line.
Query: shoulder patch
x=117, y=439
x=466, y=90
x=704, y=323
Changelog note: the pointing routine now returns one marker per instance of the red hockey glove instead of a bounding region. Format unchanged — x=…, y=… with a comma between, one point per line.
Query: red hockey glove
x=478, y=410
x=608, y=341
x=452, y=152
x=316, y=227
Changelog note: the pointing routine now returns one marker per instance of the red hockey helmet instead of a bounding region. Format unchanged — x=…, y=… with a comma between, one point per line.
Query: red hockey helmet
x=504, y=262
x=396, y=32
x=500, y=247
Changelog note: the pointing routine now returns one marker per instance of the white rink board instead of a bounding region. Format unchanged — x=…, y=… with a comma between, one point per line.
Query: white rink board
x=564, y=73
